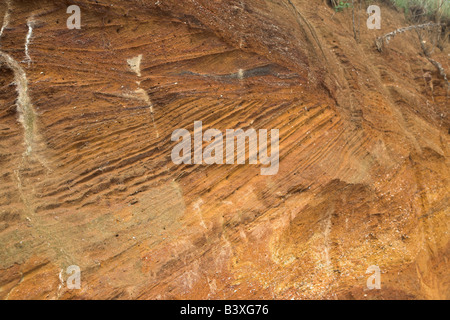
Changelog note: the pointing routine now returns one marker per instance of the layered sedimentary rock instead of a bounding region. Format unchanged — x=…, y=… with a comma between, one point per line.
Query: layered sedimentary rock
x=87, y=179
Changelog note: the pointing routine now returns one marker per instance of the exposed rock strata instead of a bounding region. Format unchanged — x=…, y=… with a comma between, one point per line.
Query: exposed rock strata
x=87, y=178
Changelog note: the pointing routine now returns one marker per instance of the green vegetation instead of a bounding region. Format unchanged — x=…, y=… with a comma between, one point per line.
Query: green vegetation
x=341, y=5
x=427, y=9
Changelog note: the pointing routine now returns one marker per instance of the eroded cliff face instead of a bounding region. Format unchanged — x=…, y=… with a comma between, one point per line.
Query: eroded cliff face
x=86, y=118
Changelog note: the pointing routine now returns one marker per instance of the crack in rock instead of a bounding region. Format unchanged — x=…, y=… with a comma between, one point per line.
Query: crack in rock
x=141, y=94
x=30, y=24
x=135, y=64
x=27, y=115
x=6, y=18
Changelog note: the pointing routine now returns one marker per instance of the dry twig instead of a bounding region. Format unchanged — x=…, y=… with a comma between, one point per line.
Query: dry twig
x=387, y=37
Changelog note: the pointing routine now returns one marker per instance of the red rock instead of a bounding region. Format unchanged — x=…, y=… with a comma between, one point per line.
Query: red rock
x=87, y=178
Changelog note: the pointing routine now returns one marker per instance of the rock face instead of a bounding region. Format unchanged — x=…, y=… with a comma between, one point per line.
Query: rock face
x=86, y=118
